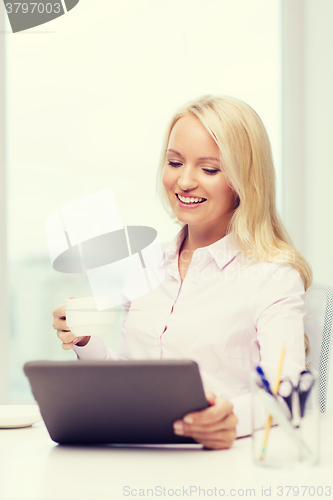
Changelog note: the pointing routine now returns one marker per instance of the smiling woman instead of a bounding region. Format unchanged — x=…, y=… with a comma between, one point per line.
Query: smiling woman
x=195, y=183
x=233, y=292
x=237, y=140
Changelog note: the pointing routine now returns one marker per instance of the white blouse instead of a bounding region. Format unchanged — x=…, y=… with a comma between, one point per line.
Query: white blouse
x=228, y=315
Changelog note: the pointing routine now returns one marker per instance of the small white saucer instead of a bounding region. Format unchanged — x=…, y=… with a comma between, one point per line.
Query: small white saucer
x=14, y=416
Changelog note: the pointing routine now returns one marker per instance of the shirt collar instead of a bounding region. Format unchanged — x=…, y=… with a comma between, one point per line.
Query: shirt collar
x=225, y=250
x=222, y=251
x=171, y=249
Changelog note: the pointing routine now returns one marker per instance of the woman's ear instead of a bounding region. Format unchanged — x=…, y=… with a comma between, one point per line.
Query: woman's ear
x=236, y=201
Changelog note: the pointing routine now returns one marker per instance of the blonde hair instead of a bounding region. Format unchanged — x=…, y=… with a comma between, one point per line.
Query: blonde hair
x=247, y=163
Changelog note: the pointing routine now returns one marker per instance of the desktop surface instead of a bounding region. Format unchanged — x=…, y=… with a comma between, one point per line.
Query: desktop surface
x=32, y=466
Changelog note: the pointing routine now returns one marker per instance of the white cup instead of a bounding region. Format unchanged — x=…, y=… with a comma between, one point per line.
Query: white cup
x=84, y=319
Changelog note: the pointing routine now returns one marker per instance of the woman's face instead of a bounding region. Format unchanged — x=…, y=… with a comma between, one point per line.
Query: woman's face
x=193, y=179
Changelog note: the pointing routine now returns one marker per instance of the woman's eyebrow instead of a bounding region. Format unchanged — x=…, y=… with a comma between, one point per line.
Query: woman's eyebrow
x=210, y=158
x=203, y=158
x=173, y=151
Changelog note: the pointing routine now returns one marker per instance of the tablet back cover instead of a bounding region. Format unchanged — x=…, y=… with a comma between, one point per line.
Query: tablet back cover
x=90, y=402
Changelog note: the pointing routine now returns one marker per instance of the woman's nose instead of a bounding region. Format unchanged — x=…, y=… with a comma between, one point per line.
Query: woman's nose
x=187, y=180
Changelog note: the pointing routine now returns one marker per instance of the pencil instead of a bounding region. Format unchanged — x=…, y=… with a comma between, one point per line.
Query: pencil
x=275, y=390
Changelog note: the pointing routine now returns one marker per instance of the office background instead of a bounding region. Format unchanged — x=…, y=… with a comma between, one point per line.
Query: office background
x=85, y=100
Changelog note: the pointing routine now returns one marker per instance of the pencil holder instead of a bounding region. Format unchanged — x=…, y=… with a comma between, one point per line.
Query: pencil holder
x=285, y=426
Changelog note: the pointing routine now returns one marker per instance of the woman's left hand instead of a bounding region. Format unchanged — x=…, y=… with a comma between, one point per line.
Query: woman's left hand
x=214, y=427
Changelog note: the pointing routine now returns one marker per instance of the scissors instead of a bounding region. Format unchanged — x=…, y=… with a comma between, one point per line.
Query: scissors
x=287, y=391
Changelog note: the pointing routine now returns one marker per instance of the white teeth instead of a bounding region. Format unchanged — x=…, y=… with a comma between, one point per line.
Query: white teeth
x=189, y=200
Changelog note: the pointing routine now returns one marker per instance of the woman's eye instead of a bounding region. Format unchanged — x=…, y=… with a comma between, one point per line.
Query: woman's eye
x=174, y=164
x=210, y=172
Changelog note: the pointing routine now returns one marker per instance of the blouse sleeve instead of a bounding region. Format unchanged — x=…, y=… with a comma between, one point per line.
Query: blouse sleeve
x=278, y=313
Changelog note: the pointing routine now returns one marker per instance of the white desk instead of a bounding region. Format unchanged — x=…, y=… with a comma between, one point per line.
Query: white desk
x=33, y=467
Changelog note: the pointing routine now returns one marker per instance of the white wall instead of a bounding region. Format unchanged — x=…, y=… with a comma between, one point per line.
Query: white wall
x=319, y=137
x=308, y=111
x=307, y=119
x=4, y=323
x=89, y=96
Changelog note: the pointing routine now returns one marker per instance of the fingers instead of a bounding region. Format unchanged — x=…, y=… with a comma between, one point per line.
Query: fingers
x=68, y=346
x=68, y=339
x=221, y=441
x=214, y=427
x=59, y=321
x=60, y=312
x=214, y=439
x=63, y=332
x=210, y=396
x=60, y=324
x=227, y=424
x=218, y=410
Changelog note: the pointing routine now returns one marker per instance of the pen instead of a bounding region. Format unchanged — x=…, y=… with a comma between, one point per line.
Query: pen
x=283, y=417
x=263, y=379
x=275, y=390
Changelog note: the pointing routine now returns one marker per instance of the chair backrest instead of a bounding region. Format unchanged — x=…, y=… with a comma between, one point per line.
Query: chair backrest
x=318, y=327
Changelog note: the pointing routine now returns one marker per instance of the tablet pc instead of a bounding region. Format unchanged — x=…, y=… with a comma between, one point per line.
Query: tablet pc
x=95, y=402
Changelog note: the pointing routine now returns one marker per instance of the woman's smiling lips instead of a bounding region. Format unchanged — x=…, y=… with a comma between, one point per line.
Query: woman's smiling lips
x=188, y=205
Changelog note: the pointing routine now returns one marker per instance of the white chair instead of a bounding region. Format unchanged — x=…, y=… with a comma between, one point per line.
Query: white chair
x=318, y=327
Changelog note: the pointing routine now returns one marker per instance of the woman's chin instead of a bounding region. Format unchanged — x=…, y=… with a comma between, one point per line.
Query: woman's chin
x=185, y=219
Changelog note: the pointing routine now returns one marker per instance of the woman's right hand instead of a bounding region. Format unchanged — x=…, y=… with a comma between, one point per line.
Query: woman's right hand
x=63, y=332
